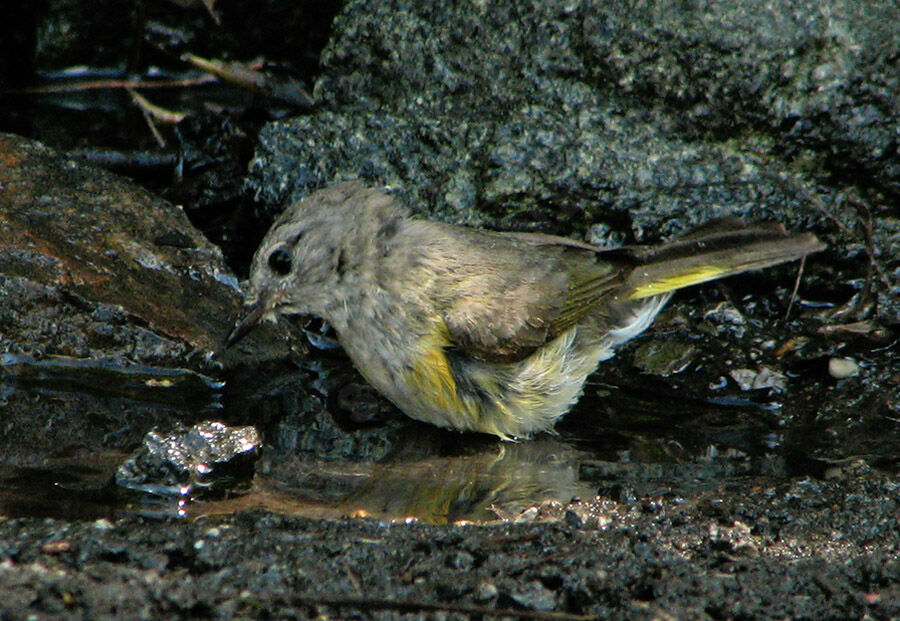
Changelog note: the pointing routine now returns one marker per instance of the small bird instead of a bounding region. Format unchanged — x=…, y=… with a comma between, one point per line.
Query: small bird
x=477, y=330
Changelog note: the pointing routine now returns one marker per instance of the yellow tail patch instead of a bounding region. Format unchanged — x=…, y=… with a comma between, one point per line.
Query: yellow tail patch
x=696, y=276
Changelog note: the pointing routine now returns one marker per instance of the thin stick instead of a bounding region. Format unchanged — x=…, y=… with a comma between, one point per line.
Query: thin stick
x=101, y=84
x=796, y=288
x=163, y=115
x=153, y=130
x=354, y=579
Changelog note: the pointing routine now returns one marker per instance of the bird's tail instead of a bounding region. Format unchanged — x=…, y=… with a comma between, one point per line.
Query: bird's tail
x=722, y=248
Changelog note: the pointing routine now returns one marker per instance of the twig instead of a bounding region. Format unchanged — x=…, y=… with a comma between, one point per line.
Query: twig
x=870, y=244
x=787, y=313
x=111, y=84
x=354, y=579
x=864, y=219
x=868, y=239
x=153, y=113
x=817, y=203
x=113, y=158
x=208, y=4
x=169, y=117
x=247, y=76
x=153, y=129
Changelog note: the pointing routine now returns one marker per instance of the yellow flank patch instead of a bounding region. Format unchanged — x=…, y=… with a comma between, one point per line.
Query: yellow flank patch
x=433, y=380
x=702, y=273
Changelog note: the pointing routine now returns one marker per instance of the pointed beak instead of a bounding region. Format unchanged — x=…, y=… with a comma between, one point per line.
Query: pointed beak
x=249, y=321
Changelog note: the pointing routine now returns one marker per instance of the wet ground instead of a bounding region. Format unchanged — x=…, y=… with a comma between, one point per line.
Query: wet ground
x=747, y=547
x=648, y=504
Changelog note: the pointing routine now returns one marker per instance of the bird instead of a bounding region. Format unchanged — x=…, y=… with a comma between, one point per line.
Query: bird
x=477, y=330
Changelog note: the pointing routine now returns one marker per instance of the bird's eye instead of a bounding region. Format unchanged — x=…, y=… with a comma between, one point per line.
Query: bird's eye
x=280, y=261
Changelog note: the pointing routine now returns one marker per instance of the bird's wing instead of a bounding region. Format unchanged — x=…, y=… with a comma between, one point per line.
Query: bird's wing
x=522, y=291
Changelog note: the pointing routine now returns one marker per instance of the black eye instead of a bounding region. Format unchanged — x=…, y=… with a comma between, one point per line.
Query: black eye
x=280, y=262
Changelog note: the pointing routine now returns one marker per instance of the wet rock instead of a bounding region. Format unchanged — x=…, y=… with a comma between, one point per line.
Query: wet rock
x=362, y=403
x=663, y=357
x=725, y=316
x=735, y=540
x=534, y=596
x=763, y=378
x=205, y=460
x=108, y=377
x=91, y=265
x=460, y=560
x=572, y=519
x=485, y=591
x=112, y=307
x=842, y=368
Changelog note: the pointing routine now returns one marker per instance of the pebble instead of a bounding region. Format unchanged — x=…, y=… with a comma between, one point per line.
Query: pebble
x=842, y=368
x=485, y=591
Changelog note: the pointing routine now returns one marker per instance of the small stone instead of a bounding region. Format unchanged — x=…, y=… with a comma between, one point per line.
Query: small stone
x=460, y=559
x=833, y=472
x=528, y=515
x=842, y=368
x=171, y=463
x=535, y=596
x=485, y=591
x=726, y=317
x=748, y=379
x=664, y=358
x=572, y=519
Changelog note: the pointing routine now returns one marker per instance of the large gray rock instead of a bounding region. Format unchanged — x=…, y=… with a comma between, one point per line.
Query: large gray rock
x=645, y=121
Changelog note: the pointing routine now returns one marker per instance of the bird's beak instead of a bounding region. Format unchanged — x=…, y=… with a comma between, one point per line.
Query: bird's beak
x=250, y=320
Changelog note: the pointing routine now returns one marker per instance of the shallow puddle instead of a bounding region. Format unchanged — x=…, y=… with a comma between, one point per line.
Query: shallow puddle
x=63, y=444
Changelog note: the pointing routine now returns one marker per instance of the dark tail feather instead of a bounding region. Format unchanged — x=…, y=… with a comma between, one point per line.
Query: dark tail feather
x=719, y=249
